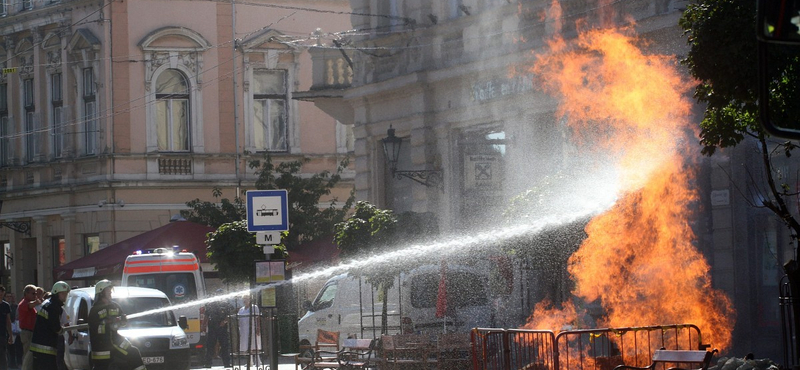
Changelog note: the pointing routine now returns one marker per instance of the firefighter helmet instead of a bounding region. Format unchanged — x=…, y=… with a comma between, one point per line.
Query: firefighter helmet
x=59, y=287
x=102, y=285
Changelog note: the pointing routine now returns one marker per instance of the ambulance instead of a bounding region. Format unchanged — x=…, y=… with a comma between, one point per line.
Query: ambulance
x=176, y=273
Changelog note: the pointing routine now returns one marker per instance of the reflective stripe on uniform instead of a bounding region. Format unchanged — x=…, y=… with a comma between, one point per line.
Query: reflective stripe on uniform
x=123, y=346
x=36, y=347
x=43, y=313
x=101, y=355
x=124, y=352
x=140, y=368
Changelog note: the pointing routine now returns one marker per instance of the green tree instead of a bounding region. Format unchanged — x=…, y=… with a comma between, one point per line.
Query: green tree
x=231, y=247
x=723, y=59
x=306, y=220
x=370, y=230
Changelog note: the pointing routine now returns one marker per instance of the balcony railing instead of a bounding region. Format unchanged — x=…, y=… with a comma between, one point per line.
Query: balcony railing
x=175, y=166
x=331, y=69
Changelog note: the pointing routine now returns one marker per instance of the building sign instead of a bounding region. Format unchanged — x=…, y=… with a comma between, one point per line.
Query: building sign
x=499, y=87
x=482, y=171
x=7, y=71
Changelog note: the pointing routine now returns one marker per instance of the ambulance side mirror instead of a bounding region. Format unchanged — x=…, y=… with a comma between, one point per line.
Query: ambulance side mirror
x=183, y=323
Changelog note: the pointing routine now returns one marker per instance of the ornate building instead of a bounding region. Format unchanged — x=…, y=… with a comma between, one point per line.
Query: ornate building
x=114, y=114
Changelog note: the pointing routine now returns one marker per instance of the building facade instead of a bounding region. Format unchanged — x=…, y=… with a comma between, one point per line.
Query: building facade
x=114, y=114
x=451, y=79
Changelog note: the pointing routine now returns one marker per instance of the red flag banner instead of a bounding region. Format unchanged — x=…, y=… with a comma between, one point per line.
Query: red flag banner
x=441, y=297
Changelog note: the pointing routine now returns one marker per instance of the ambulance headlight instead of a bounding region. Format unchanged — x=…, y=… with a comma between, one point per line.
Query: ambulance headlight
x=179, y=341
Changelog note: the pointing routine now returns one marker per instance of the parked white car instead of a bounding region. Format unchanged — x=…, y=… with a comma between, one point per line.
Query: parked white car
x=159, y=337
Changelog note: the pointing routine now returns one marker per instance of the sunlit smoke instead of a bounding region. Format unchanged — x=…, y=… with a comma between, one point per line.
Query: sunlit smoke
x=638, y=260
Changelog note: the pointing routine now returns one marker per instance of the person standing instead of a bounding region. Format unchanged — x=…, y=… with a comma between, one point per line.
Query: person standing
x=14, y=334
x=217, y=331
x=48, y=330
x=6, y=336
x=26, y=313
x=249, y=329
x=108, y=346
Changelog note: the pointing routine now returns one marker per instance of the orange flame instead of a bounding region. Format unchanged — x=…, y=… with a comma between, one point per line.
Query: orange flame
x=638, y=259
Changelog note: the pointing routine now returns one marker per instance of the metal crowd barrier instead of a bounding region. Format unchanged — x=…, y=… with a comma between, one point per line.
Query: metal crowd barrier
x=585, y=349
x=501, y=349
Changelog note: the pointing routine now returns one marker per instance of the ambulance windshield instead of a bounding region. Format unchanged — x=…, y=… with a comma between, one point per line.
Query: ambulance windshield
x=179, y=287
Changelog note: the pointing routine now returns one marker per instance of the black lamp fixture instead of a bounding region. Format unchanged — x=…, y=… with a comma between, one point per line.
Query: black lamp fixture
x=391, y=149
x=23, y=227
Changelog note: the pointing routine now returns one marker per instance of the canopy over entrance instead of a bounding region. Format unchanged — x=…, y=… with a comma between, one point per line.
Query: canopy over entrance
x=107, y=262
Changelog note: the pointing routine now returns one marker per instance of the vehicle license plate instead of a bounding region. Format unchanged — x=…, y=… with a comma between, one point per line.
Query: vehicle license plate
x=153, y=360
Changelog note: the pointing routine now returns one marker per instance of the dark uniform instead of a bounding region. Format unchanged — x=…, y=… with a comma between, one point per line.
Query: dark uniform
x=107, y=345
x=46, y=334
x=218, y=313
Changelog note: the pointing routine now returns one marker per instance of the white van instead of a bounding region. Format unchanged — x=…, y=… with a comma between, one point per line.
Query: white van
x=179, y=276
x=160, y=339
x=349, y=305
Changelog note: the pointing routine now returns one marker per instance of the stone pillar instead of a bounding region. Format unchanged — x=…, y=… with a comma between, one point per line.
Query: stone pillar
x=39, y=234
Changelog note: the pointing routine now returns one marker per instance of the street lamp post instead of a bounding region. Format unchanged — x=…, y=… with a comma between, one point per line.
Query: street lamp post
x=391, y=149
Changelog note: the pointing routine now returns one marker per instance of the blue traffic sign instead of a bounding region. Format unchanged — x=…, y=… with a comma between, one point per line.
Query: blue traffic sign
x=267, y=210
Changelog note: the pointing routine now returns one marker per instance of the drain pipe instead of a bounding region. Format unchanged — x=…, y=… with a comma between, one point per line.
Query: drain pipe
x=235, y=101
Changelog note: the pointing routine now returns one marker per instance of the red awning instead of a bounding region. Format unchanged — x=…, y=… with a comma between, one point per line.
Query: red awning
x=108, y=261
x=309, y=254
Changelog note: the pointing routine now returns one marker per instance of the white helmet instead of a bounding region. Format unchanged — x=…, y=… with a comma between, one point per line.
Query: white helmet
x=59, y=287
x=101, y=285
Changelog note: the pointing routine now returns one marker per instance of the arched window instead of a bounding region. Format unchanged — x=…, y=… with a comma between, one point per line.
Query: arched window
x=172, y=111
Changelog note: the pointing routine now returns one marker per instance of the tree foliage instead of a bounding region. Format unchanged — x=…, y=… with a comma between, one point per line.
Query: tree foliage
x=723, y=59
x=369, y=230
x=306, y=220
x=231, y=247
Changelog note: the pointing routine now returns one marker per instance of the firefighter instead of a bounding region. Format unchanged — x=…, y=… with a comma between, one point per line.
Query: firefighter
x=108, y=347
x=47, y=331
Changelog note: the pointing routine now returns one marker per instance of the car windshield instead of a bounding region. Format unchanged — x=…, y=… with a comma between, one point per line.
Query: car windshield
x=143, y=304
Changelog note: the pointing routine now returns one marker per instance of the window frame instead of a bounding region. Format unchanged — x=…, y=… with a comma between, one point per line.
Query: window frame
x=57, y=121
x=5, y=132
x=266, y=136
x=87, y=248
x=170, y=99
x=59, y=245
x=89, y=119
x=29, y=119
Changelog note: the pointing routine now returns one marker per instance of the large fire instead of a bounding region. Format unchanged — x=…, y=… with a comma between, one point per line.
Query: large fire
x=639, y=260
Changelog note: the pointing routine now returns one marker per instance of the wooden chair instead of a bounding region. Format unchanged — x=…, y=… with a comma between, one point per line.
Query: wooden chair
x=324, y=349
x=452, y=351
x=405, y=351
x=358, y=354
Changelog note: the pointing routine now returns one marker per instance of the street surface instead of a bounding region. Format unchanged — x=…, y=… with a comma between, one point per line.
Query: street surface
x=284, y=363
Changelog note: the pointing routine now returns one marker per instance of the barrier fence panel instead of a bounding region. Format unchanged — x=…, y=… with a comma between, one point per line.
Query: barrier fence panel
x=501, y=349
x=586, y=349
x=604, y=349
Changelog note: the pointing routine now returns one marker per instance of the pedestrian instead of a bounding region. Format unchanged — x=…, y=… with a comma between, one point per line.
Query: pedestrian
x=26, y=314
x=40, y=297
x=249, y=328
x=15, y=344
x=48, y=329
x=217, y=314
x=6, y=336
x=108, y=346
